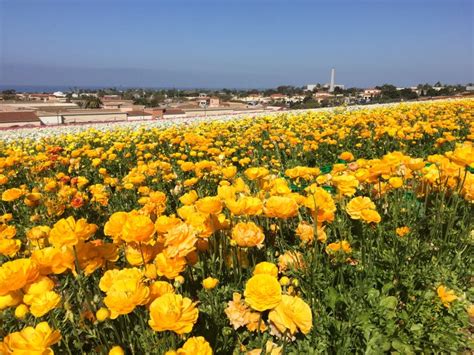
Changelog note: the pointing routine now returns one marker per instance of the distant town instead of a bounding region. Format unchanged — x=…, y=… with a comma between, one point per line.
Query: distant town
x=76, y=106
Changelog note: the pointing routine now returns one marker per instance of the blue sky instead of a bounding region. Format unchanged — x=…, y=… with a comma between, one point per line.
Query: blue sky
x=230, y=43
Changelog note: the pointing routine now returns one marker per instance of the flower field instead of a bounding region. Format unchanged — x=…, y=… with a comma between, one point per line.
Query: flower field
x=317, y=232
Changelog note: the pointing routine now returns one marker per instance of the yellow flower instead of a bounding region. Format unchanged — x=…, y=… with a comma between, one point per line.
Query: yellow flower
x=125, y=290
x=209, y=283
x=173, y=312
x=395, y=182
x=266, y=268
x=169, y=267
x=262, y=292
x=180, y=241
x=11, y=194
x=10, y=299
x=370, y=216
x=43, y=303
x=53, y=260
x=209, y=205
x=68, y=232
x=229, y=172
x=21, y=311
x=343, y=246
x=159, y=288
x=281, y=207
x=31, y=340
x=292, y=314
x=358, y=204
x=16, y=274
x=446, y=295
x=116, y=350
x=113, y=227
x=347, y=156
x=402, y=231
x=102, y=314
x=346, y=184
x=195, y=346
x=189, y=198
x=138, y=228
x=248, y=235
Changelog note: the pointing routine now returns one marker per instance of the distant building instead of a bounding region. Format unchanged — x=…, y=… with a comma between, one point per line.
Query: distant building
x=321, y=96
x=122, y=105
x=19, y=119
x=139, y=116
x=208, y=101
x=368, y=94
x=311, y=87
x=173, y=113
x=470, y=88
x=81, y=116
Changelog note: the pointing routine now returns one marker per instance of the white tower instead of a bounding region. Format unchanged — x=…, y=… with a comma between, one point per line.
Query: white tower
x=333, y=74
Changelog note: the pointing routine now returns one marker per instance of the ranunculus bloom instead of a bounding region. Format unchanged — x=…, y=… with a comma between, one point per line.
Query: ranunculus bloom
x=248, y=235
x=370, y=216
x=343, y=246
x=246, y=205
x=355, y=206
x=41, y=304
x=113, y=227
x=209, y=205
x=53, y=260
x=11, y=194
x=209, y=283
x=10, y=299
x=262, y=292
x=136, y=253
x=125, y=290
x=346, y=184
x=169, y=267
x=180, y=241
x=31, y=340
x=195, y=346
x=402, y=231
x=159, y=288
x=281, y=207
x=173, y=312
x=16, y=274
x=266, y=268
x=446, y=295
x=290, y=259
x=292, y=314
x=189, y=198
x=138, y=228
x=68, y=232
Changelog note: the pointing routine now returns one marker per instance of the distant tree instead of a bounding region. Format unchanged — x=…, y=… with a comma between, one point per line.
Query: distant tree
x=89, y=101
x=9, y=94
x=408, y=94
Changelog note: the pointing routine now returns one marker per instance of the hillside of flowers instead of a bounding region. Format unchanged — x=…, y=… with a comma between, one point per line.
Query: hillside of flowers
x=317, y=232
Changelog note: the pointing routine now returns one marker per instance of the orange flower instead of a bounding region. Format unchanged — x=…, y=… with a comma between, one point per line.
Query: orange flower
x=195, y=346
x=53, y=260
x=209, y=205
x=402, y=231
x=68, y=232
x=446, y=295
x=11, y=194
x=169, y=267
x=31, y=340
x=290, y=259
x=113, y=227
x=281, y=207
x=180, y=241
x=16, y=274
x=138, y=228
x=343, y=246
x=355, y=206
x=370, y=216
x=248, y=235
x=173, y=312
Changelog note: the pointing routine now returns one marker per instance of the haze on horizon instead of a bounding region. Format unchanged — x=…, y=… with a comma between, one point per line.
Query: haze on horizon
x=235, y=44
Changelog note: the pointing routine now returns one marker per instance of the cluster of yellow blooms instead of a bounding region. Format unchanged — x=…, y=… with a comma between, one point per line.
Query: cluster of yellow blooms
x=164, y=201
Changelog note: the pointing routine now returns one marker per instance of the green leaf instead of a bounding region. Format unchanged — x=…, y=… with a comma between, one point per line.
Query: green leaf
x=389, y=302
